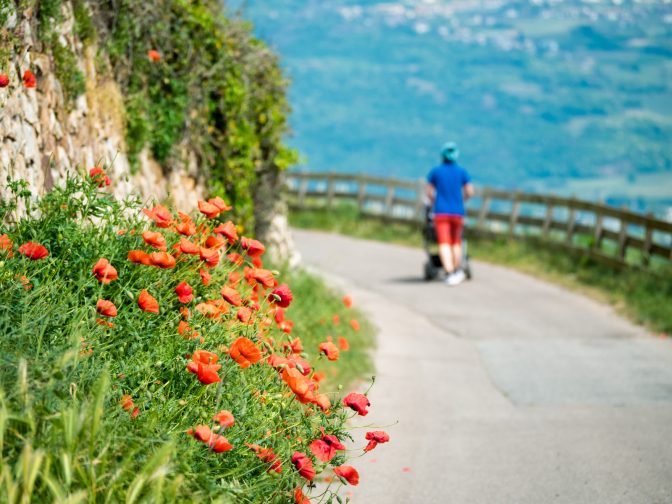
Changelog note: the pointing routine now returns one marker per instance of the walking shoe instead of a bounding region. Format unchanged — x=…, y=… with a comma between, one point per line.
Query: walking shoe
x=456, y=278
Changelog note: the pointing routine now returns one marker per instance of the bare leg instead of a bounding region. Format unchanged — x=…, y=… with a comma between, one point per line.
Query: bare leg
x=445, y=253
x=456, y=251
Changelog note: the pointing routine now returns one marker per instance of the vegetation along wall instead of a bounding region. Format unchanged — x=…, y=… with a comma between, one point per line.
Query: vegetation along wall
x=174, y=98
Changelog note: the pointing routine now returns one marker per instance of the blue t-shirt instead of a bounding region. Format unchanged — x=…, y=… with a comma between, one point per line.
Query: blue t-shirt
x=448, y=180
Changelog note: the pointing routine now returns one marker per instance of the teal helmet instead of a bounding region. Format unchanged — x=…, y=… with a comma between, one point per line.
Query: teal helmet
x=450, y=152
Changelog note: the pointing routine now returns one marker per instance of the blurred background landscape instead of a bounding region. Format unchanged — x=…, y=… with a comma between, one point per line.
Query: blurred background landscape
x=563, y=96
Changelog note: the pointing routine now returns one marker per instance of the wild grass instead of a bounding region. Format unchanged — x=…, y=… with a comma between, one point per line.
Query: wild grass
x=67, y=433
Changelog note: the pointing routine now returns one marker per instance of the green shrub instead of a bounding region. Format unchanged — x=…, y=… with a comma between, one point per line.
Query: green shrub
x=67, y=428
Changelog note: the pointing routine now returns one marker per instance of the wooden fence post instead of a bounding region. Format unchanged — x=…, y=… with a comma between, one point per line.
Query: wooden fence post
x=623, y=239
x=648, y=242
x=389, y=201
x=361, y=193
x=515, y=211
x=599, y=231
x=303, y=188
x=330, y=190
x=571, y=222
x=548, y=220
x=483, y=211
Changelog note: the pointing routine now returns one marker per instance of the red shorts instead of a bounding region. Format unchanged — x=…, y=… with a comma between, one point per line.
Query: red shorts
x=448, y=229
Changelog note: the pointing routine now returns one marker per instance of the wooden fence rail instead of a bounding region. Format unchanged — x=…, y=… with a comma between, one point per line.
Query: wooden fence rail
x=614, y=236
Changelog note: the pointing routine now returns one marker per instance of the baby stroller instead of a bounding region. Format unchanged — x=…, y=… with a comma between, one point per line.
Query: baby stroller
x=433, y=266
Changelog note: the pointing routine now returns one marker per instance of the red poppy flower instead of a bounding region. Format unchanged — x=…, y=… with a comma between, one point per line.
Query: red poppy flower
x=343, y=344
x=154, y=239
x=231, y=296
x=375, y=438
x=208, y=209
x=257, y=262
x=245, y=352
x=325, y=448
x=299, y=498
x=160, y=215
x=235, y=258
x=106, y=308
x=204, y=365
x=201, y=433
x=162, y=260
x=354, y=324
x=319, y=376
x=205, y=277
x=4, y=81
x=154, y=55
x=347, y=301
x=215, y=442
x=254, y=248
x=219, y=203
x=212, y=309
x=304, y=465
x=219, y=444
x=267, y=455
x=184, y=292
x=188, y=247
x=215, y=242
x=33, y=251
x=6, y=245
x=348, y=473
x=357, y=402
x=210, y=256
x=186, y=227
x=322, y=400
x=281, y=296
x=139, y=257
x=263, y=276
x=147, y=302
x=185, y=330
x=300, y=385
x=126, y=402
x=99, y=177
x=225, y=419
x=295, y=346
x=330, y=350
x=234, y=278
x=104, y=271
x=244, y=314
x=228, y=230
x=29, y=79
x=286, y=326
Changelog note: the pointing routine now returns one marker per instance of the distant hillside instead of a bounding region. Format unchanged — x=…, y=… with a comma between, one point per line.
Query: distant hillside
x=538, y=93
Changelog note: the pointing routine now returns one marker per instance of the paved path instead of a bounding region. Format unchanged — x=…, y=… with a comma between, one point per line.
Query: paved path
x=506, y=389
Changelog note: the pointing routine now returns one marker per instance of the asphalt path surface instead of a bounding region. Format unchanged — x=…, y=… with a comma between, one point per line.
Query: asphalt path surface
x=505, y=389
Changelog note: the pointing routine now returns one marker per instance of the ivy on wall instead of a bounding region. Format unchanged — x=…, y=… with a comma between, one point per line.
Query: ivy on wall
x=216, y=91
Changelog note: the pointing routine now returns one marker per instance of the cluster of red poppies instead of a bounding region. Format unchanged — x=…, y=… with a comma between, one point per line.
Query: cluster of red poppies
x=29, y=80
x=251, y=295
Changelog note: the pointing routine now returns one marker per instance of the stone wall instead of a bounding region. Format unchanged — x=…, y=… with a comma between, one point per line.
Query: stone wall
x=43, y=138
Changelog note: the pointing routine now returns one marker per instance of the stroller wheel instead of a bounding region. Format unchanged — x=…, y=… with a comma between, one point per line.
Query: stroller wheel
x=430, y=271
x=467, y=271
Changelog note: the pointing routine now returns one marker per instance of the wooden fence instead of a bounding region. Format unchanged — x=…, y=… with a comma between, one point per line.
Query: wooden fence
x=610, y=235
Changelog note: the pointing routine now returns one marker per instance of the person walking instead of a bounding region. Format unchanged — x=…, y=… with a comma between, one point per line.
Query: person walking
x=448, y=186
